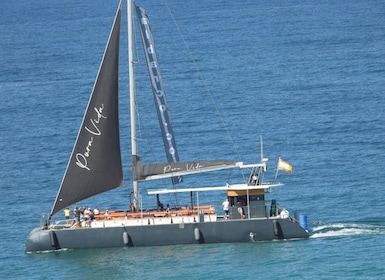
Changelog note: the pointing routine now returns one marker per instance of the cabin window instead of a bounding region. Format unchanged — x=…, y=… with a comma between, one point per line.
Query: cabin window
x=257, y=197
x=240, y=201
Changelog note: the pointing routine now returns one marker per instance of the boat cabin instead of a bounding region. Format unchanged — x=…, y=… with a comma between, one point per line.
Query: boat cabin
x=247, y=203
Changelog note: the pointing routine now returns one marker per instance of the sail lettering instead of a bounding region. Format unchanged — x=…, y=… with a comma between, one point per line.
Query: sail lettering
x=193, y=166
x=153, y=64
x=96, y=121
x=162, y=108
x=189, y=166
x=144, y=20
x=150, y=50
x=169, y=168
x=82, y=158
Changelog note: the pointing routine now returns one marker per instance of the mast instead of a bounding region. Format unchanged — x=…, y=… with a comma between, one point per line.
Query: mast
x=131, y=82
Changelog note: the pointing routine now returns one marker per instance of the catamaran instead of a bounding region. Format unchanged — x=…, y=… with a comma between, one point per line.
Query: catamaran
x=95, y=166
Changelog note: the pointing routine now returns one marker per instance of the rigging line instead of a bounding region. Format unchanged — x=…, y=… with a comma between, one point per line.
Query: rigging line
x=208, y=92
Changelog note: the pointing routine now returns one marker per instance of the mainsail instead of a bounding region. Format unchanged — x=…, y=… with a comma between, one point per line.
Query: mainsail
x=95, y=165
x=157, y=88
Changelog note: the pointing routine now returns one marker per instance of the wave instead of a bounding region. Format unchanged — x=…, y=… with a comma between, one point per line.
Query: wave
x=345, y=229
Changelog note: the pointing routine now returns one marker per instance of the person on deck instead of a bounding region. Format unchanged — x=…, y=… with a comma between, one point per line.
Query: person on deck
x=67, y=214
x=107, y=215
x=87, y=216
x=225, y=206
x=77, y=213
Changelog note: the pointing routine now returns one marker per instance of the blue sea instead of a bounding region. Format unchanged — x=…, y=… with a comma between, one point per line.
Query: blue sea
x=307, y=76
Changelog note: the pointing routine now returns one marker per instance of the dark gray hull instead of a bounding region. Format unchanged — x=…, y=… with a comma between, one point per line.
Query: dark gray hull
x=222, y=231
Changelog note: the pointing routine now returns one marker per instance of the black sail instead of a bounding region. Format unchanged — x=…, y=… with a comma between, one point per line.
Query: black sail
x=95, y=165
x=158, y=89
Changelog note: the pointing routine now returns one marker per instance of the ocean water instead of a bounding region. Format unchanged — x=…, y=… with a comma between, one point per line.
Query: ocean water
x=306, y=75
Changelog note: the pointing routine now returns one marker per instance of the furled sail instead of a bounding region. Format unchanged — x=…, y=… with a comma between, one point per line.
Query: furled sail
x=95, y=164
x=157, y=88
x=171, y=169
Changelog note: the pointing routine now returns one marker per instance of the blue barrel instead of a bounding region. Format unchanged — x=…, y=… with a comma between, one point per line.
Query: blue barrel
x=303, y=221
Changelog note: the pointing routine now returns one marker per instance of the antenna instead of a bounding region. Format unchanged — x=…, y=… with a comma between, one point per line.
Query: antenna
x=263, y=160
x=261, y=148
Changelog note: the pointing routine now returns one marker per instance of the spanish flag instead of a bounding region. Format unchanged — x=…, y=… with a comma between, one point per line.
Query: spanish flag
x=285, y=166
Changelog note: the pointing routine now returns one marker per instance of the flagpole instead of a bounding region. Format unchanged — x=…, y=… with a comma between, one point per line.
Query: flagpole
x=276, y=173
